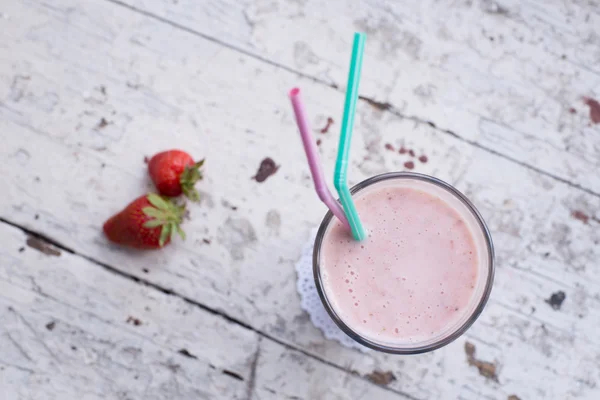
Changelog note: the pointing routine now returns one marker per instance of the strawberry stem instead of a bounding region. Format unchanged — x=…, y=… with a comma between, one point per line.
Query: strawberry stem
x=191, y=174
x=165, y=214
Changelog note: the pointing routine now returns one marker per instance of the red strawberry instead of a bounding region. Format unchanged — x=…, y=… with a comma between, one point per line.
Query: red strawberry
x=149, y=222
x=175, y=172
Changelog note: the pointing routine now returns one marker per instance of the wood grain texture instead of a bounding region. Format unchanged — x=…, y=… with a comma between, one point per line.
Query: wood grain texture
x=68, y=66
x=507, y=75
x=71, y=329
x=67, y=330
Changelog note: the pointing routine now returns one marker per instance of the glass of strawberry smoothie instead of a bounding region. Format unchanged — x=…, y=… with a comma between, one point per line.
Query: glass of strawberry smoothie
x=422, y=276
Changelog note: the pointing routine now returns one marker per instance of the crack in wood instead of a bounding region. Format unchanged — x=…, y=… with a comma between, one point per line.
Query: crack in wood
x=190, y=301
x=253, y=366
x=186, y=353
x=34, y=332
x=29, y=370
x=33, y=234
x=384, y=106
x=378, y=105
x=19, y=347
x=234, y=375
x=243, y=315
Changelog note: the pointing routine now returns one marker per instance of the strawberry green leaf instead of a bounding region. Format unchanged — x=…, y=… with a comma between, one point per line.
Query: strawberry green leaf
x=153, y=223
x=165, y=233
x=188, y=179
x=158, y=202
x=153, y=212
x=180, y=232
x=166, y=214
x=191, y=193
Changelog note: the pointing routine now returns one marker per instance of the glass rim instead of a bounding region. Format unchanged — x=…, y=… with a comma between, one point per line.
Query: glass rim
x=407, y=349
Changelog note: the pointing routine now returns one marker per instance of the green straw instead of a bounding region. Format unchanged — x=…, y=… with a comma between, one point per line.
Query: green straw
x=341, y=166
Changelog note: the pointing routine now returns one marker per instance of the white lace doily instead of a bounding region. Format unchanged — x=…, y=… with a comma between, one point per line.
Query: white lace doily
x=311, y=302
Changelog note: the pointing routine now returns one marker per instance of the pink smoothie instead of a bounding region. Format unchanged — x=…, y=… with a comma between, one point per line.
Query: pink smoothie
x=413, y=278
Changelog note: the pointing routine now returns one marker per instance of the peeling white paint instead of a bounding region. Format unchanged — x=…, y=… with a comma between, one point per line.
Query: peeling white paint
x=64, y=175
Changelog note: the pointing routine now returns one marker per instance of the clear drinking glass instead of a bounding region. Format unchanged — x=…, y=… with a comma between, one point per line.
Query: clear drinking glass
x=483, y=243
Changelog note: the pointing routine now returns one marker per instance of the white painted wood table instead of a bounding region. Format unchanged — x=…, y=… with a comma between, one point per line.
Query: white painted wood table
x=492, y=93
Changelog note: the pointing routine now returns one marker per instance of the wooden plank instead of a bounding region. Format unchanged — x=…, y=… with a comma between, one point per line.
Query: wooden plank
x=507, y=75
x=72, y=329
x=174, y=92
x=287, y=374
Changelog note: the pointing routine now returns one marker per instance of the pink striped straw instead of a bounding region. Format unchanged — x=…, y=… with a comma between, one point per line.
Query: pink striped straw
x=312, y=155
